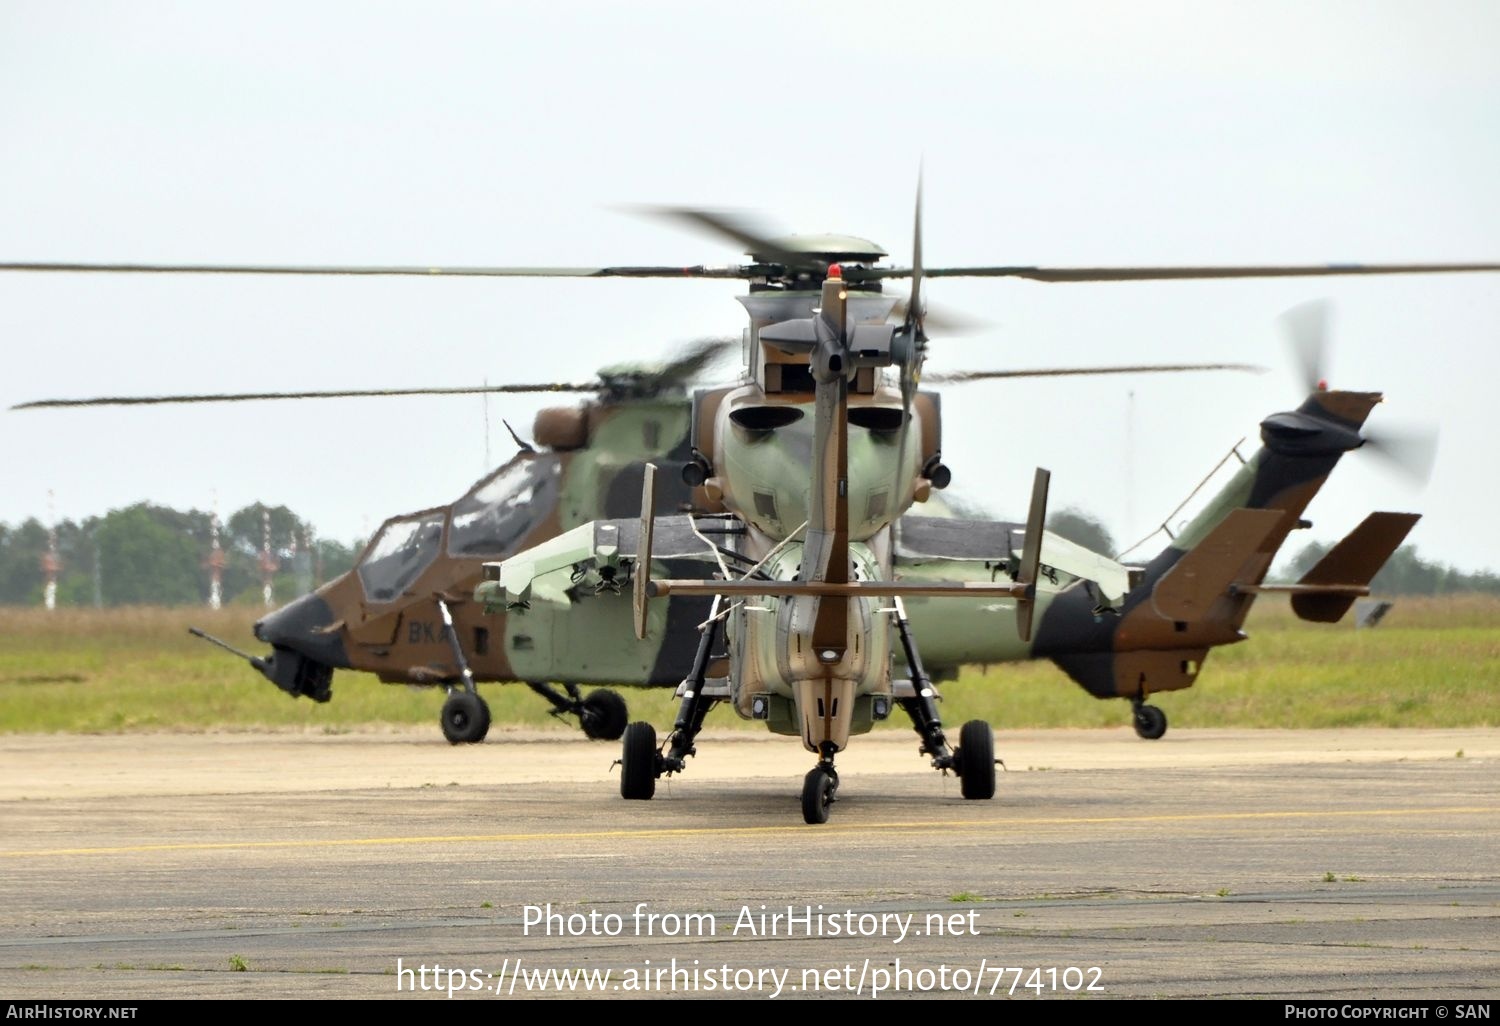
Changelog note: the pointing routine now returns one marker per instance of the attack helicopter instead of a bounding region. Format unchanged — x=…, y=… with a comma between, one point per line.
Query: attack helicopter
x=793, y=569
x=830, y=425
x=403, y=614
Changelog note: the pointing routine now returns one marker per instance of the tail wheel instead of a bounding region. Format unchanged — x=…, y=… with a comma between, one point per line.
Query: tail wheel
x=1150, y=722
x=465, y=718
x=817, y=794
x=976, y=760
x=603, y=716
x=638, y=762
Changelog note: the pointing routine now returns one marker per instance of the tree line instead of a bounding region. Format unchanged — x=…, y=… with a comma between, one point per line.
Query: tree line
x=154, y=555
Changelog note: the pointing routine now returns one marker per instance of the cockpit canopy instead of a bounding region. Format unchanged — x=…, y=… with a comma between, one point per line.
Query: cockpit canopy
x=489, y=521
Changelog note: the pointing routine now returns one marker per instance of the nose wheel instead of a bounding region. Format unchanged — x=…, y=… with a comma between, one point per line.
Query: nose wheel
x=465, y=718
x=1150, y=722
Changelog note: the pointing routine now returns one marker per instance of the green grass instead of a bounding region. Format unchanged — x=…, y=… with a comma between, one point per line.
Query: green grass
x=1431, y=663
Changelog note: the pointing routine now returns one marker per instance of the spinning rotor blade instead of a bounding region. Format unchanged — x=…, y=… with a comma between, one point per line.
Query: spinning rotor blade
x=689, y=362
x=945, y=320
x=1085, y=274
x=239, y=397
x=914, y=342
x=1306, y=328
x=1031, y=551
x=699, y=271
x=693, y=359
x=734, y=227
x=959, y=377
x=1411, y=451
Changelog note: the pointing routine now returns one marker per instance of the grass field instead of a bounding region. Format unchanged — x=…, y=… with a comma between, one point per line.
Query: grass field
x=1431, y=663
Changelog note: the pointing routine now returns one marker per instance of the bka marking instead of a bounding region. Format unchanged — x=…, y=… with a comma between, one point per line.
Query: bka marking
x=425, y=632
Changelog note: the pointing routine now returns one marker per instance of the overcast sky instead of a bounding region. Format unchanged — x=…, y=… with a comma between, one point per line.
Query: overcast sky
x=433, y=133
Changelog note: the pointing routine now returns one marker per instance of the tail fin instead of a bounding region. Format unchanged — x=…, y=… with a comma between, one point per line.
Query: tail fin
x=1352, y=563
x=1210, y=570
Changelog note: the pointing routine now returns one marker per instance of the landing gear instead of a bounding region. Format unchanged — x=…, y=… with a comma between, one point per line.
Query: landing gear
x=602, y=714
x=818, y=790
x=639, y=763
x=465, y=718
x=1150, y=722
x=975, y=758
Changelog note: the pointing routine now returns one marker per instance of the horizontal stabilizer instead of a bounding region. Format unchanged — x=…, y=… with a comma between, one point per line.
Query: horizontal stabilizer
x=1351, y=563
x=1207, y=572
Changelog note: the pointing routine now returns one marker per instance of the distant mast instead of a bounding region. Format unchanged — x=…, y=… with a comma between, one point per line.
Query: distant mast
x=215, y=560
x=267, y=561
x=50, y=562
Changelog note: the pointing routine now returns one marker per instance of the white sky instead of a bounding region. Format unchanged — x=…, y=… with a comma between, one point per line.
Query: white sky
x=1065, y=133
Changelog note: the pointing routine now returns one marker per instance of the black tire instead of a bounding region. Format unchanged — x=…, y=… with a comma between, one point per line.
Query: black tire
x=1150, y=722
x=976, y=760
x=817, y=795
x=638, y=763
x=465, y=718
x=603, y=715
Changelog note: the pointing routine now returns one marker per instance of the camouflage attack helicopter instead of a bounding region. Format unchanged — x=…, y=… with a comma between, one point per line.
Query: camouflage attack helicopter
x=801, y=548
x=404, y=611
x=793, y=537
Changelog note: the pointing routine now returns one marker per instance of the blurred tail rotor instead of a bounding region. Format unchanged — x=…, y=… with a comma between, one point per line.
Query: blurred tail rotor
x=1306, y=328
x=1411, y=450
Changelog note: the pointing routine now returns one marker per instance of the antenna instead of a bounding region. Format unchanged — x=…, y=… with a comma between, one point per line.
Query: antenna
x=487, y=463
x=1130, y=464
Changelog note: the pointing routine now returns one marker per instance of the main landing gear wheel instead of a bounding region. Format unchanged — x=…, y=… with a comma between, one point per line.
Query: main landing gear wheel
x=818, y=789
x=975, y=758
x=603, y=716
x=465, y=718
x=1150, y=722
x=638, y=762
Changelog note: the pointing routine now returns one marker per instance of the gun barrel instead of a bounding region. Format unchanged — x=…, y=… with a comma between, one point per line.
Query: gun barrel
x=255, y=661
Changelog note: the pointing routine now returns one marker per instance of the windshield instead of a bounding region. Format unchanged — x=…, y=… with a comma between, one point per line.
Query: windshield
x=502, y=510
x=402, y=550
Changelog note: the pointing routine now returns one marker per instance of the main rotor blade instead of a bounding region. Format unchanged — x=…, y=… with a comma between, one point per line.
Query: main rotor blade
x=239, y=397
x=959, y=377
x=698, y=271
x=1084, y=274
x=736, y=228
x=692, y=360
x=915, y=310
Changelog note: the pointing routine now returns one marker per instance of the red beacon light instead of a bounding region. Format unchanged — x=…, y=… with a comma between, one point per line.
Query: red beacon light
x=835, y=271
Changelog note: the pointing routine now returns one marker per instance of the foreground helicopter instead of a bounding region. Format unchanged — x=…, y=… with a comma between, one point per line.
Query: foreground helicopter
x=814, y=434
x=801, y=550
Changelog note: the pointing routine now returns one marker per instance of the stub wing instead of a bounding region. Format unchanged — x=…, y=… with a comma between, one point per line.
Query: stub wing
x=567, y=604
x=955, y=631
x=923, y=542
